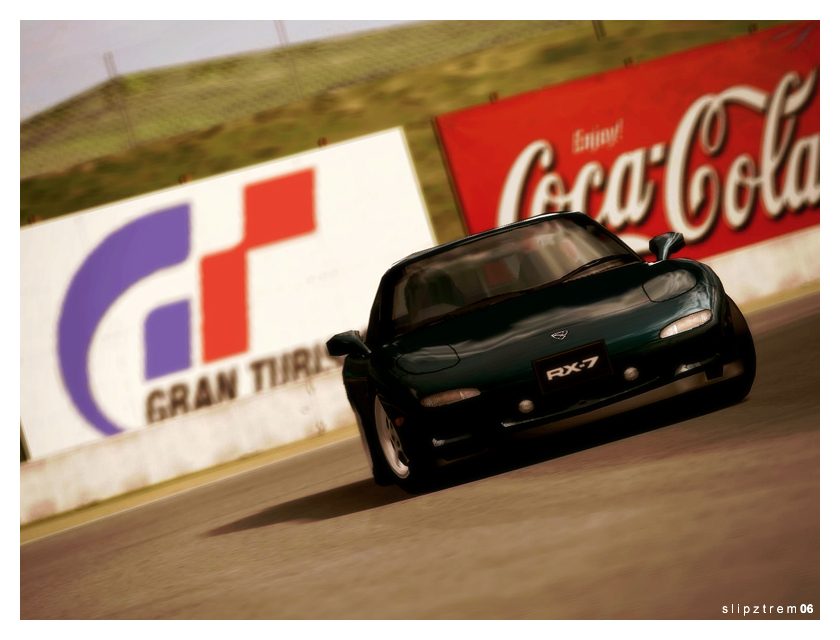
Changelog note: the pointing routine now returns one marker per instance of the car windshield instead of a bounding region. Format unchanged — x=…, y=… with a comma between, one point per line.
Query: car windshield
x=500, y=266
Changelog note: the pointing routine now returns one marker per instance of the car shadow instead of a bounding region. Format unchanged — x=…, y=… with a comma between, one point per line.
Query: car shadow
x=324, y=505
x=517, y=453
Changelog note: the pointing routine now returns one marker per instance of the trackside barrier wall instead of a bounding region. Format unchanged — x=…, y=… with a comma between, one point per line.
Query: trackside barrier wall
x=138, y=458
x=770, y=267
x=186, y=328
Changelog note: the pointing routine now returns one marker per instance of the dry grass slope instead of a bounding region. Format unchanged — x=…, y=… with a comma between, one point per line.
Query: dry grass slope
x=161, y=103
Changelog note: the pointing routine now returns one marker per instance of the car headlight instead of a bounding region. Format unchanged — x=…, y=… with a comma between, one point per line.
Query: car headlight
x=669, y=285
x=691, y=321
x=448, y=397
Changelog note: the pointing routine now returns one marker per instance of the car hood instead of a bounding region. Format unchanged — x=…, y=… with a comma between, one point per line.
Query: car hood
x=502, y=339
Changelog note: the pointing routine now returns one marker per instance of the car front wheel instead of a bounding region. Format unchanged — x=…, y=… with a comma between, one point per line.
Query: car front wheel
x=397, y=461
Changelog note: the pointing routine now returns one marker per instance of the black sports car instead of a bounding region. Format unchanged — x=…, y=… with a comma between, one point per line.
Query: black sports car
x=549, y=320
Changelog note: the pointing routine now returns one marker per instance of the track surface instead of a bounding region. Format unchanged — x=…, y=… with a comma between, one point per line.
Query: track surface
x=668, y=514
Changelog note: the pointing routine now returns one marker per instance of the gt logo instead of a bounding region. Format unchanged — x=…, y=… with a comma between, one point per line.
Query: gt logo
x=575, y=367
x=275, y=210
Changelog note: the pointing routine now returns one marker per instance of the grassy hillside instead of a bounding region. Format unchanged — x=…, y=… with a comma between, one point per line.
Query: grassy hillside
x=409, y=98
x=161, y=103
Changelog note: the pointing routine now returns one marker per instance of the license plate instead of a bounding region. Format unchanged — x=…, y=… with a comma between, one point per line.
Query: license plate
x=571, y=368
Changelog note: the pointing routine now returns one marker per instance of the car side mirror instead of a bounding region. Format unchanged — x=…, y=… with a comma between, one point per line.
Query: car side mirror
x=663, y=245
x=348, y=343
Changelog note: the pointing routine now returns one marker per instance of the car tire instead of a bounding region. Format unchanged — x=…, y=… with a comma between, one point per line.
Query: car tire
x=744, y=347
x=396, y=461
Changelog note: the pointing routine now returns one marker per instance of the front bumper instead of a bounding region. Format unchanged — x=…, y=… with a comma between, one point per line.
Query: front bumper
x=667, y=369
x=685, y=384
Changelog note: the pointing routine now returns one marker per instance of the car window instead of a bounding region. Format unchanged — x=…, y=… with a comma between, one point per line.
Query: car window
x=522, y=258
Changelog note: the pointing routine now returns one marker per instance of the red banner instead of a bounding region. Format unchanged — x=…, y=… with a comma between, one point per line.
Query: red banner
x=720, y=143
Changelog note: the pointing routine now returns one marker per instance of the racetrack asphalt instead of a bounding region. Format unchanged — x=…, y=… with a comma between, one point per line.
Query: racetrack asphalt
x=674, y=512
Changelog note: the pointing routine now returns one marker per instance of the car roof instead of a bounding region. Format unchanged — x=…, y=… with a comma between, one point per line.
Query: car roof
x=443, y=248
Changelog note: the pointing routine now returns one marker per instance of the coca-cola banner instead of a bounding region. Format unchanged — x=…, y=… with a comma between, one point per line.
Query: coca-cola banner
x=720, y=143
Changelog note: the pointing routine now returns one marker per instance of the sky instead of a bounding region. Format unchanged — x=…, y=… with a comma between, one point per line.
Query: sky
x=59, y=59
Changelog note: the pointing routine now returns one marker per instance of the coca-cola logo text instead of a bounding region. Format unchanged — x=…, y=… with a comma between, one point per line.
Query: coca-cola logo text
x=784, y=176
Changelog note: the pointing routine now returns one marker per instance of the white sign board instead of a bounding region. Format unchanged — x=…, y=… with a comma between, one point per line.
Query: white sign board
x=204, y=294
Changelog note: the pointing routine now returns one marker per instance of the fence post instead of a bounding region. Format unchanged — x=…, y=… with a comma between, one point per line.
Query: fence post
x=114, y=81
x=284, y=41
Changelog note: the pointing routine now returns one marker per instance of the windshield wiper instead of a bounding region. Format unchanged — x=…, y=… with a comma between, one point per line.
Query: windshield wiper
x=479, y=304
x=593, y=263
x=486, y=302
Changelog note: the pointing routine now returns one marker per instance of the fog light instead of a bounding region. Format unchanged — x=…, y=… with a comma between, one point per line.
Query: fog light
x=526, y=406
x=631, y=373
x=448, y=397
x=686, y=367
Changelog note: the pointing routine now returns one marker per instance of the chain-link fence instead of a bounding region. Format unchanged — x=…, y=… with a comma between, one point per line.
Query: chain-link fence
x=137, y=108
